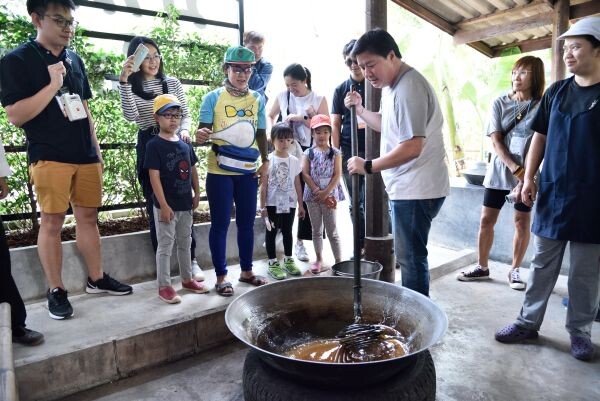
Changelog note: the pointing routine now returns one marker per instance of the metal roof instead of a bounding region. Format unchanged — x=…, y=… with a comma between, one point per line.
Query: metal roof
x=492, y=26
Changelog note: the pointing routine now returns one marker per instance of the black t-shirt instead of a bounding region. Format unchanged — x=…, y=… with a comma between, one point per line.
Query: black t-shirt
x=174, y=161
x=338, y=107
x=50, y=135
x=575, y=99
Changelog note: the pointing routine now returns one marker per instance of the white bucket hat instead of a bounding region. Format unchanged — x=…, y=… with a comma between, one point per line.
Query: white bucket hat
x=585, y=26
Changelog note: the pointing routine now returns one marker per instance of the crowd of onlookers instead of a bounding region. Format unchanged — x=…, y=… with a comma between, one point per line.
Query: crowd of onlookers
x=292, y=161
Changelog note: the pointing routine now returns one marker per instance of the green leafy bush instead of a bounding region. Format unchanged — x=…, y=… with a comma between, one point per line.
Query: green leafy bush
x=185, y=57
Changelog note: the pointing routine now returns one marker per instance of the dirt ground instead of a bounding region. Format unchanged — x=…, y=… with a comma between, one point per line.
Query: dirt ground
x=21, y=238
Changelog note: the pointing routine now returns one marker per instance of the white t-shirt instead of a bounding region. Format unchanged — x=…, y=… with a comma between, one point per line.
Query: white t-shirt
x=410, y=109
x=281, y=191
x=298, y=105
x=4, y=167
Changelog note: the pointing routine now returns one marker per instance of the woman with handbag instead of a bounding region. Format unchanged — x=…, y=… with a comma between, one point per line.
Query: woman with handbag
x=297, y=105
x=232, y=171
x=509, y=129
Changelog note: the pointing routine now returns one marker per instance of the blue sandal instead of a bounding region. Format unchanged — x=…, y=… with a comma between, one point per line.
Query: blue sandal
x=514, y=334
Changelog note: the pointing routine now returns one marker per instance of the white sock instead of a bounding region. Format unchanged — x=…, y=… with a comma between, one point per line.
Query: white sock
x=272, y=261
x=286, y=258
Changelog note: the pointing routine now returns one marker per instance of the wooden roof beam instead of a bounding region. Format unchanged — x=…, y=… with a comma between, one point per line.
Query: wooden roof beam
x=525, y=46
x=482, y=48
x=463, y=36
x=584, y=9
x=427, y=15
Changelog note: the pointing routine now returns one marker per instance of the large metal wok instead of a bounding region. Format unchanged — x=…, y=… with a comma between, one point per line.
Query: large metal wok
x=273, y=317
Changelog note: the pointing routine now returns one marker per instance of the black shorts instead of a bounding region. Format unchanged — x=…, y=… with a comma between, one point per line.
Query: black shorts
x=495, y=199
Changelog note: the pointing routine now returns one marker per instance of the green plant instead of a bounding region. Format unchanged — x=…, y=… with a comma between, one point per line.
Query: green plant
x=117, y=136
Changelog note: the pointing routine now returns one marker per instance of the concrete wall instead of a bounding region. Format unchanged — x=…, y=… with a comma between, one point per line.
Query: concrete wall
x=127, y=257
x=8, y=381
x=457, y=224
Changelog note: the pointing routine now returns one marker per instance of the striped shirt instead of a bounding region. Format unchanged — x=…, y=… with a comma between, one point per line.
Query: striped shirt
x=139, y=110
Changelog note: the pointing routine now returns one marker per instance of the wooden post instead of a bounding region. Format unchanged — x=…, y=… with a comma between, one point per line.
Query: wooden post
x=560, y=25
x=379, y=244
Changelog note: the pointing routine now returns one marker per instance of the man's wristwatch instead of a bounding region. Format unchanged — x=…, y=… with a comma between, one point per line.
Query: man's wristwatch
x=369, y=166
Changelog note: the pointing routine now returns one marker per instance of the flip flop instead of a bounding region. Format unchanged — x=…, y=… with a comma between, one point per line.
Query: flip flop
x=255, y=280
x=222, y=289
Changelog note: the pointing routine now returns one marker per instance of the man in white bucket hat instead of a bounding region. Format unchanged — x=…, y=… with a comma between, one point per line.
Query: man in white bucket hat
x=566, y=138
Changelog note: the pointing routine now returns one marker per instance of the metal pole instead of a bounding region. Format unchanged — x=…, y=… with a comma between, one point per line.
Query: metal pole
x=241, y=20
x=379, y=244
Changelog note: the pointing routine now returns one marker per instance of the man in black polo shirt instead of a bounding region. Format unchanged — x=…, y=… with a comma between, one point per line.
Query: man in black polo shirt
x=341, y=135
x=44, y=89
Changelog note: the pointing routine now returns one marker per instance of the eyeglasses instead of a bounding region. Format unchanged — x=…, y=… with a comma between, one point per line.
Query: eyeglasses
x=520, y=73
x=156, y=57
x=171, y=116
x=62, y=22
x=240, y=70
x=349, y=61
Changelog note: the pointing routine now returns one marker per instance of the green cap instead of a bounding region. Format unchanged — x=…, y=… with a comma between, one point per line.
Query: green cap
x=239, y=55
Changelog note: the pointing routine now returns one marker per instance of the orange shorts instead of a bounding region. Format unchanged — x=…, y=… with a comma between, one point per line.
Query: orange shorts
x=56, y=184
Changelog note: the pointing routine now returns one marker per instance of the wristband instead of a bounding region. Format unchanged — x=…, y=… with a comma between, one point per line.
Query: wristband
x=369, y=166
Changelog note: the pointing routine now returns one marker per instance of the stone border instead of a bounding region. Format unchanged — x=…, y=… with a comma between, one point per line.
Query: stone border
x=126, y=257
x=119, y=358
x=8, y=382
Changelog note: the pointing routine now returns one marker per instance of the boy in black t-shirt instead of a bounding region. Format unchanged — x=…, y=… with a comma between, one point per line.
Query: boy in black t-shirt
x=171, y=166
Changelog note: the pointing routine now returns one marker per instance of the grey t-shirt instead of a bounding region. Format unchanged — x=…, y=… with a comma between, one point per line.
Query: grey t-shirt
x=505, y=113
x=409, y=109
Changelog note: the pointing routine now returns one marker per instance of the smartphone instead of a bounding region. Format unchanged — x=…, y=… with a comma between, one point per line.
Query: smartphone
x=138, y=56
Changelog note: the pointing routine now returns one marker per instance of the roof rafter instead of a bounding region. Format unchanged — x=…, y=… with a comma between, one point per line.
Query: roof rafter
x=427, y=15
x=525, y=46
x=468, y=36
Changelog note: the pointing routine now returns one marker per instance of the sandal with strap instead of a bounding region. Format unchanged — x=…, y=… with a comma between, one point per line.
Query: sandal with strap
x=513, y=334
x=222, y=289
x=255, y=280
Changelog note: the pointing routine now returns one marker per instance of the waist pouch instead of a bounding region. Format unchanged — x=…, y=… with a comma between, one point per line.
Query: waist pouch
x=236, y=159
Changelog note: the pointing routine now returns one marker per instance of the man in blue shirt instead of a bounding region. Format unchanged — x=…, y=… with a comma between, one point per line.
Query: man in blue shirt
x=567, y=194
x=262, y=69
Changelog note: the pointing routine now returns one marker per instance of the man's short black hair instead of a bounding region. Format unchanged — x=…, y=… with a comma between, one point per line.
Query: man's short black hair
x=376, y=41
x=40, y=6
x=348, y=48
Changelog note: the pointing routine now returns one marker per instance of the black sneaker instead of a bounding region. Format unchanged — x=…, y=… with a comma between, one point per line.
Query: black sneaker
x=25, y=336
x=59, y=307
x=107, y=284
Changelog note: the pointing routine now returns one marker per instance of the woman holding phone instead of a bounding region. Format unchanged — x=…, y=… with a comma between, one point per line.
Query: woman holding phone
x=138, y=88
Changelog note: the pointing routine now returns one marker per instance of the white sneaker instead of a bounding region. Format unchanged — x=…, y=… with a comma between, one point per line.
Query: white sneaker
x=300, y=251
x=197, y=273
x=514, y=280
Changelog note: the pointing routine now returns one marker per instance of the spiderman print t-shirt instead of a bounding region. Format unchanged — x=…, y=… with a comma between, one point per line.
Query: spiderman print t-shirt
x=174, y=161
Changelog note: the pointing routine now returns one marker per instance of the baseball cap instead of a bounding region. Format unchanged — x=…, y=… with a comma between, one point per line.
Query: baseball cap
x=164, y=102
x=585, y=26
x=319, y=120
x=239, y=55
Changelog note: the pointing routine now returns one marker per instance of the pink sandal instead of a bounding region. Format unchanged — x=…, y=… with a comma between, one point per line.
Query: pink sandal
x=315, y=268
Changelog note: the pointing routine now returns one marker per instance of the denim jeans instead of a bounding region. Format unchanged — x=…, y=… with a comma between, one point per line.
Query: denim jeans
x=222, y=192
x=411, y=221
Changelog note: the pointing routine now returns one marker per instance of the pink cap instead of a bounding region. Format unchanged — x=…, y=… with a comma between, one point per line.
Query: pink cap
x=319, y=120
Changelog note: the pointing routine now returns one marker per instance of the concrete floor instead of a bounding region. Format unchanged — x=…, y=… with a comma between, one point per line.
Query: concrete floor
x=470, y=364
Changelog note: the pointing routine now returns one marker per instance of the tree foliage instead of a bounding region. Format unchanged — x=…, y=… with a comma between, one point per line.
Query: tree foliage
x=184, y=56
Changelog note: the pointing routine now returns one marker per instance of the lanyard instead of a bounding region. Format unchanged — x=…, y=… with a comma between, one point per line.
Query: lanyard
x=67, y=83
